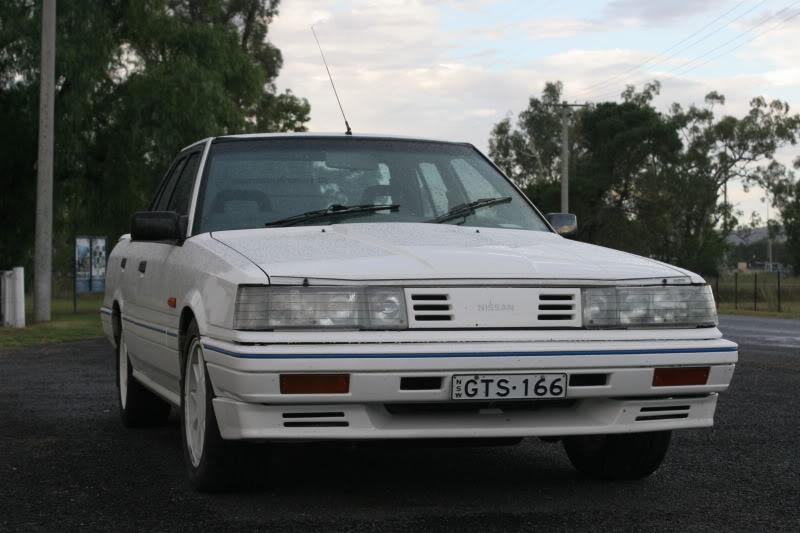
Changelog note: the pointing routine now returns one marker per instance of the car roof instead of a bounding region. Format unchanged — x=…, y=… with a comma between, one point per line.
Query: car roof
x=311, y=135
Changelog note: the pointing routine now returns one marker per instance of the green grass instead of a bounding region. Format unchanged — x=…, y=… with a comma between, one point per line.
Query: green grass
x=64, y=326
x=730, y=309
x=762, y=287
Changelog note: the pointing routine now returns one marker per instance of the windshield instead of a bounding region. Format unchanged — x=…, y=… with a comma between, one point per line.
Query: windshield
x=258, y=182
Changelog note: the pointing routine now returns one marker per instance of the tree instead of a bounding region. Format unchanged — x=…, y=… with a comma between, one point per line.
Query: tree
x=646, y=181
x=136, y=81
x=718, y=152
x=785, y=192
x=790, y=214
x=628, y=151
x=532, y=152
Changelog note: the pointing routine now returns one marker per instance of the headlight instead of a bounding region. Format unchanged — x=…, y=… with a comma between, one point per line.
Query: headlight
x=675, y=306
x=261, y=307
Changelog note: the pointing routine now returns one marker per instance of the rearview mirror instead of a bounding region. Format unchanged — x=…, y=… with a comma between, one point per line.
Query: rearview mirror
x=565, y=224
x=353, y=161
x=158, y=226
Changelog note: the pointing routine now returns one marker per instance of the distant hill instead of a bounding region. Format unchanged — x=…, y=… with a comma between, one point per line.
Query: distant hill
x=751, y=236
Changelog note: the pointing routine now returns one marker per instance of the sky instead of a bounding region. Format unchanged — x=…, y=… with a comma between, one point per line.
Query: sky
x=451, y=69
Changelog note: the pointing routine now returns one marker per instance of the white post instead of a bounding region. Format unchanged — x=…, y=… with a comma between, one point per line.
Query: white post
x=19, y=298
x=13, y=302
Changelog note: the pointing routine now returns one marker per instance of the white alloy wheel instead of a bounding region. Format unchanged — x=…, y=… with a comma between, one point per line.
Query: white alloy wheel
x=194, y=390
x=123, y=370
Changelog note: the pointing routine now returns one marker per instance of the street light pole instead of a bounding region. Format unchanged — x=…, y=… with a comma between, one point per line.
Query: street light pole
x=43, y=248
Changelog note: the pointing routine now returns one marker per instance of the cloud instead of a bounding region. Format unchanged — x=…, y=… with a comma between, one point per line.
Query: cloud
x=659, y=12
x=774, y=46
x=544, y=28
x=395, y=71
x=597, y=59
x=406, y=68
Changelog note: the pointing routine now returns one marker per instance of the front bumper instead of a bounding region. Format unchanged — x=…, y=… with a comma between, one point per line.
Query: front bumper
x=239, y=420
x=249, y=404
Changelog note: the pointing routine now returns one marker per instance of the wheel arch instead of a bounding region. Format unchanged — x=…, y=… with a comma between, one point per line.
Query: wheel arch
x=187, y=315
x=116, y=321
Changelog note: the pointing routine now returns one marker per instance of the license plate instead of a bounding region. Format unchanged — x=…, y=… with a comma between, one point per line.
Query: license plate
x=508, y=386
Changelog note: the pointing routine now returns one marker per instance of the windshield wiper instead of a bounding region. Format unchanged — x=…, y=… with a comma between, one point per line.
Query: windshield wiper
x=331, y=211
x=463, y=210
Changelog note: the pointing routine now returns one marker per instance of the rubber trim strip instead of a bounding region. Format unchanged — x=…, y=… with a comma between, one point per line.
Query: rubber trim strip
x=152, y=328
x=654, y=351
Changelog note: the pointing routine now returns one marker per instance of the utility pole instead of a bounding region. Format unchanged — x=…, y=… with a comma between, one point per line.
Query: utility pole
x=565, y=116
x=43, y=248
x=564, y=158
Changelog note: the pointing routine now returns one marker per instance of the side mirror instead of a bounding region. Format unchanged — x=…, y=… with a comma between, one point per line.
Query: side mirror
x=158, y=226
x=565, y=224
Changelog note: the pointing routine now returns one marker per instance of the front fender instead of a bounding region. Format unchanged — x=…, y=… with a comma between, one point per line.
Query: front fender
x=194, y=303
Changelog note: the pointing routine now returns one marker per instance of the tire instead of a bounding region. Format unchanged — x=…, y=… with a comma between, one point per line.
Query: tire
x=213, y=464
x=138, y=407
x=621, y=456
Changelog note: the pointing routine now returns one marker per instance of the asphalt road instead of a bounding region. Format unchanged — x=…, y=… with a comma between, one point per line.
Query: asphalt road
x=772, y=335
x=66, y=463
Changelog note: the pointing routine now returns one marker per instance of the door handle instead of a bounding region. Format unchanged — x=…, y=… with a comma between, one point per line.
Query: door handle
x=142, y=266
x=123, y=263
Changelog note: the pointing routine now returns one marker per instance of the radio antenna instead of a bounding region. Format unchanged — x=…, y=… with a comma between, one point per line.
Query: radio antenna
x=336, y=94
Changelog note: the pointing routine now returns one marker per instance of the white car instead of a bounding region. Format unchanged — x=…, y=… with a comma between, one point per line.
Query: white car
x=301, y=287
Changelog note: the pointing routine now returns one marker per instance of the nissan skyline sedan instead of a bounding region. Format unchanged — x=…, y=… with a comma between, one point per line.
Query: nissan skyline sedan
x=298, y=287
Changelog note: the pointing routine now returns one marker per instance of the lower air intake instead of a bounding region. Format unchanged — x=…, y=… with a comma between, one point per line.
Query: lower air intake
x=307, y=419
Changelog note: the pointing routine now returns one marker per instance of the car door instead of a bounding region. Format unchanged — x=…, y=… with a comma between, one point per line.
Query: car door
x=162, y=282
x=143, y=335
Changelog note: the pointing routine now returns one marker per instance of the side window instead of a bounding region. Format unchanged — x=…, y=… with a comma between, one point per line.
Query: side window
x=182, y=194
x=164, y=193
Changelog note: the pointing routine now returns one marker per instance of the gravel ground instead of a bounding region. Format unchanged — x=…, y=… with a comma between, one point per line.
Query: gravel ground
x=66, y=463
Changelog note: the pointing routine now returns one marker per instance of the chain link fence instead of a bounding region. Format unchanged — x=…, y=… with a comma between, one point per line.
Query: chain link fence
x=756, y=291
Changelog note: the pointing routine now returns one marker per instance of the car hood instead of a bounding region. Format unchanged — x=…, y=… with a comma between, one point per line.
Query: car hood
x=404, y=251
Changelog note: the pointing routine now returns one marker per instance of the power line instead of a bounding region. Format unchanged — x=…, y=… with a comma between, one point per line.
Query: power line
x=663, y=52
x=680, y=69
x=742, y=35
x=676, y=72
x=743, y=43
x=705, y=37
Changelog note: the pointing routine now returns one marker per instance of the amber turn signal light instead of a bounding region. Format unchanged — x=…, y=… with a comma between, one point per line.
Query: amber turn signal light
x=677, y=377
x=315, y=383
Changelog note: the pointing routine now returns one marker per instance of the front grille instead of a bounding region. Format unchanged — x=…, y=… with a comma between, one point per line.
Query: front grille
x=493, y=307
x=663, y=412
x=587, y=380
x=431, y=307
x=310, y=419
x=554, y=307
x=421, y=383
